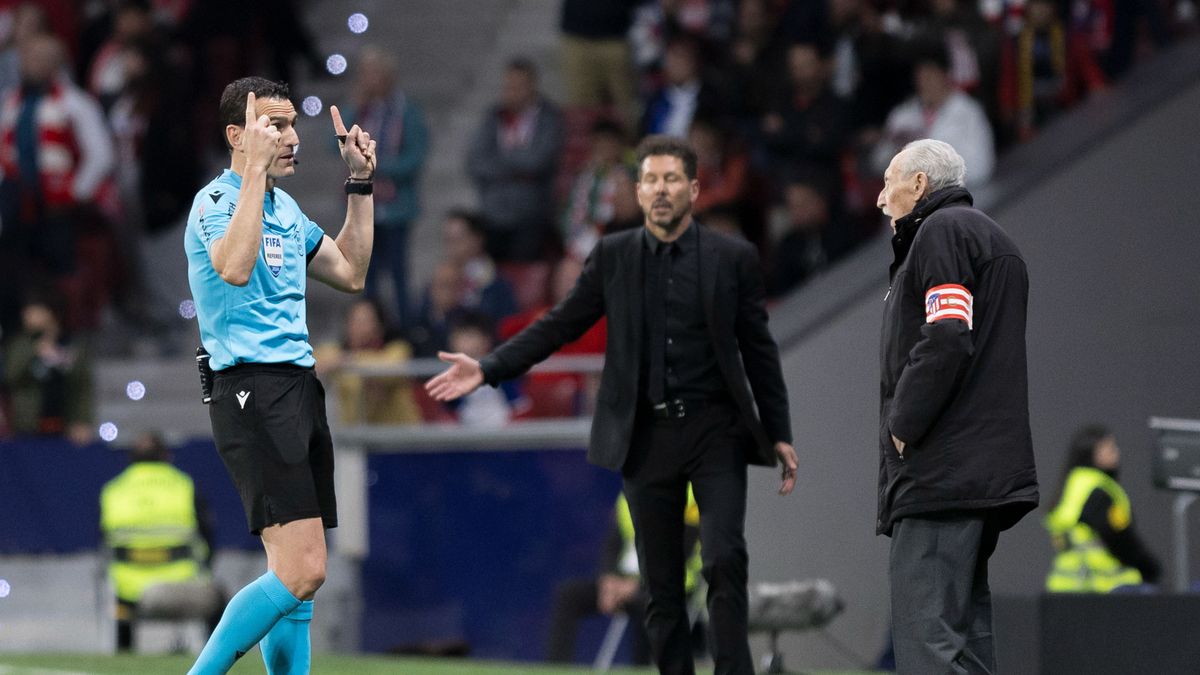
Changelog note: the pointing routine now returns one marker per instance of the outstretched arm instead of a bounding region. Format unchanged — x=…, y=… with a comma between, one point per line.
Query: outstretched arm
x=342, y=262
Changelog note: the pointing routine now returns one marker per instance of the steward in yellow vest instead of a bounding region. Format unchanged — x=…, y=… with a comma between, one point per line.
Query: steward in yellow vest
x=152, y=529
x=1092, y=525
x=618, y=587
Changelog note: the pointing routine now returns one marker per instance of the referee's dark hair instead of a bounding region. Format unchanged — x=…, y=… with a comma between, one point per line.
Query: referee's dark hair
x=672, y=146
x=233, y=100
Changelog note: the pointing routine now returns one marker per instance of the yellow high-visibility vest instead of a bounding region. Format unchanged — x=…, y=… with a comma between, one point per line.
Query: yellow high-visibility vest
x=1083, y=564
x=148, y=517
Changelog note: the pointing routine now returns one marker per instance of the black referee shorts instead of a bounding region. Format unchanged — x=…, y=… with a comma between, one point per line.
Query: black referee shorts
x=270, y=428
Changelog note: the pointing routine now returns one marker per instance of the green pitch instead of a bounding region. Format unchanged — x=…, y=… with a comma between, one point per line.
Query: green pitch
x=323, y=664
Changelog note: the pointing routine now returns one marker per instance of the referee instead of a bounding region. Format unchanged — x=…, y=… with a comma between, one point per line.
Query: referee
x=249, y=250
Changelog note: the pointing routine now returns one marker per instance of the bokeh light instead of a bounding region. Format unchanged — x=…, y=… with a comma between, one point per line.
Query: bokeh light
x=358, y=22
x=335, y=64
x=135, y=390
x=5, y=589
x=311, y=106
x=108, y=432
x=187, y=309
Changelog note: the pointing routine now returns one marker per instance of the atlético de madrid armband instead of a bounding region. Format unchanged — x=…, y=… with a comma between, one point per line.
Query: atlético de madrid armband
x=950, y=301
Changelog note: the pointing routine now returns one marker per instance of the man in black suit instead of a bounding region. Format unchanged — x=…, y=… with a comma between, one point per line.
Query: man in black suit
x=676, y=403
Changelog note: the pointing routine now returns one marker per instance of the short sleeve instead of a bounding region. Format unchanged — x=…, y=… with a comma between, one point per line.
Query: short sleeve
x=213, y=212
x=313, y=234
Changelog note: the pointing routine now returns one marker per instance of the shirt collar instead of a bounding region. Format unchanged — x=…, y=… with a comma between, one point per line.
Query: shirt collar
x=232, y=177
x=686, y=242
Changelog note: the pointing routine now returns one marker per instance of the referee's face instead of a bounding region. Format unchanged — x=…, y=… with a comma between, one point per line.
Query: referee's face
x=283, y=117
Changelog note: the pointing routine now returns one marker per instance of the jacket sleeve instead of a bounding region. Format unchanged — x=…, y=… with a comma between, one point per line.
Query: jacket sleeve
x=564, y=323
x=1119, y=538
x=941, y=267
x=760, y=354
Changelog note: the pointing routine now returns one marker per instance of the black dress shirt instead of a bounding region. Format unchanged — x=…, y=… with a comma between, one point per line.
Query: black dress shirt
x=678, y=361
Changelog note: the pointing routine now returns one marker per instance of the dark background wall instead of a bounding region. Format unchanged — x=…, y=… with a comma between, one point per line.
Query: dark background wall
x=1109, y=227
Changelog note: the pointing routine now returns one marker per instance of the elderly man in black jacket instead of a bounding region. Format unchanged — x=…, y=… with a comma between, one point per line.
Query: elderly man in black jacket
x=692, y=390
x=956, y=459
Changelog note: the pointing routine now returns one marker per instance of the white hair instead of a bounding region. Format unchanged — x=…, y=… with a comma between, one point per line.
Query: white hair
x=940, y=162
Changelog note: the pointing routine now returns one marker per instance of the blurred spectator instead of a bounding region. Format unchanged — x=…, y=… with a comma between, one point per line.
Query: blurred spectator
x=49, y=377
x=1128, y=17
x=482, y=289
x=657, y=23
x=366, y=341
x=1097, y=547
x=627, y=213
x=755, y=64
x=813, y=237
x=868, y=68
x=559, y=394
x=158, y=530
x=1051, y=68
x=723, y=170
x=513, y=159
x=144, y=118
x=940, y=112
x=486, y=407
x=440, y=302
x=972, y=47
x=397, y=124
x=806, y=122
x=684, y=94
x=17, y=24
x=109, y=69
x=597, y=64
x=590, y=204
x=55, y=153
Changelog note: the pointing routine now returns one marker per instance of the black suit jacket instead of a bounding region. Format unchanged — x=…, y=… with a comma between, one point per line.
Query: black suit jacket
x=611, y=285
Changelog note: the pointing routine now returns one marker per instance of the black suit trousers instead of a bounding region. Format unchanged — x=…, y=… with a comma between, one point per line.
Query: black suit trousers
x=707, y=448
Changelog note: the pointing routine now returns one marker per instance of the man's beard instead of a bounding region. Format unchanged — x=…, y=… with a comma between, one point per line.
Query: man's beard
x=677, y=217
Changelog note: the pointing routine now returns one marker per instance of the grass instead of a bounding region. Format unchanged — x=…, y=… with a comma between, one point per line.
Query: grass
x=323, y=664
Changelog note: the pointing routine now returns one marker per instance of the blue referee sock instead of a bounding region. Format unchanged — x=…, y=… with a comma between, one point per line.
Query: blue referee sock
x=286, y=649
x=247, y=618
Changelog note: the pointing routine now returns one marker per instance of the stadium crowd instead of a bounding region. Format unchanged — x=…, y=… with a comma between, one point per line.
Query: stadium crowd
x=794, y=107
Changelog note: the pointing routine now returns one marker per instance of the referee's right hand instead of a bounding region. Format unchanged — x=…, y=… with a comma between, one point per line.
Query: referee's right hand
x=260, y=140
x=462, y=377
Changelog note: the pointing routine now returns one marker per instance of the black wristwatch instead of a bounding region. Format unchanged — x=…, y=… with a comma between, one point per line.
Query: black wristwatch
x=359, y=186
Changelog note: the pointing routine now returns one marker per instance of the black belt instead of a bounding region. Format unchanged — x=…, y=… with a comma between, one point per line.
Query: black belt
x=678, y=408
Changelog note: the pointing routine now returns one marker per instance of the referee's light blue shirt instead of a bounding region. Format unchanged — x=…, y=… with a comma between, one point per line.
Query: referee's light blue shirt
x=263, y=321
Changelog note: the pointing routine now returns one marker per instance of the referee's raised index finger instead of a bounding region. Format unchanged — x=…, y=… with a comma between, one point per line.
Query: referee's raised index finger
x=339, y=127
x=250, y=116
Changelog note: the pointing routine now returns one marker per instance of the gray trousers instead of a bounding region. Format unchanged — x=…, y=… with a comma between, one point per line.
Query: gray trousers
x=941, y=604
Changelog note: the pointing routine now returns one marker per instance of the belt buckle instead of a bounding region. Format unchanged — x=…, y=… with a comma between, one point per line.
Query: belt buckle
x=676, y=409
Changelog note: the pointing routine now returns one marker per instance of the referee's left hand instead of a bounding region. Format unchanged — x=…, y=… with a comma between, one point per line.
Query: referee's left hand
x=787, y=457
x=358, y=149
